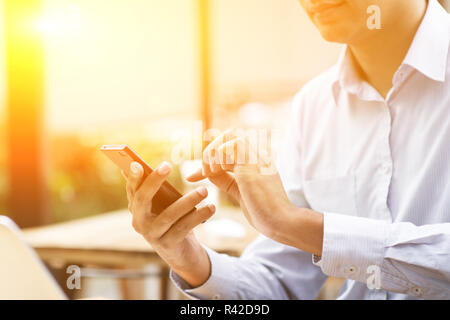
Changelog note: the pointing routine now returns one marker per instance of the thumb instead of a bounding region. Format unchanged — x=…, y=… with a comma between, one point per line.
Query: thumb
x=136, y=170
x=227, y=183
x=196, y=176
x=224, y=181
x=134, y=178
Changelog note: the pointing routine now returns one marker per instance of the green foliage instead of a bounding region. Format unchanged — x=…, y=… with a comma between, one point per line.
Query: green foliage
x=84, y=182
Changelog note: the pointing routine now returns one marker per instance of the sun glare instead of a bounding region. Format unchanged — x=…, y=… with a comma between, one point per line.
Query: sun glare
x=61, y=21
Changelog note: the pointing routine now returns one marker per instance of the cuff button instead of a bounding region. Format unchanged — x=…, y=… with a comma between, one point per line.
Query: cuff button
x=417, y=291
x=351, y=270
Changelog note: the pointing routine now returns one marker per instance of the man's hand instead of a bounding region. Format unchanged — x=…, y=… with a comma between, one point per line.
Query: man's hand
x=233, y=165
x=170, y=232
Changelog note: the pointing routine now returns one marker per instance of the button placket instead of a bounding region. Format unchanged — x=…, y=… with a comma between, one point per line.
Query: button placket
x=385, y=169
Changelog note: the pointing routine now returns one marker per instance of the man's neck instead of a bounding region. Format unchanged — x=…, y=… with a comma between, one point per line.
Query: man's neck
x=380, y=56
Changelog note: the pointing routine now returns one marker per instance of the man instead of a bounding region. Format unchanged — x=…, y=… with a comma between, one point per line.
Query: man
x=363, y=190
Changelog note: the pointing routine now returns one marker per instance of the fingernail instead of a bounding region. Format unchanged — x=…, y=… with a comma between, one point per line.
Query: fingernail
x=202, y=191
x=164, y=168
x=212, y=208
x=134, y=167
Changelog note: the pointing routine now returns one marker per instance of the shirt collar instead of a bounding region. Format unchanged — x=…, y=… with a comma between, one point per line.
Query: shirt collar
x=348, y=78
x=427, y=54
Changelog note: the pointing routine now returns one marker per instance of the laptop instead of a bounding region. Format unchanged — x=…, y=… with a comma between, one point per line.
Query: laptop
x=23, y=276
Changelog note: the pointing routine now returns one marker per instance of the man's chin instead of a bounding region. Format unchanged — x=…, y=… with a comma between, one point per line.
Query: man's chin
x=334, y=34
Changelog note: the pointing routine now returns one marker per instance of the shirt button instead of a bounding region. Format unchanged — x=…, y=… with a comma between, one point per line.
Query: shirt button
x=417, y=291
x=350, y=270
x=216, y=297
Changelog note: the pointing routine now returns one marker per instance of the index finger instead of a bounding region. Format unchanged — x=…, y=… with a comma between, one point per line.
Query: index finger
x=217, y=142
x=212, y=159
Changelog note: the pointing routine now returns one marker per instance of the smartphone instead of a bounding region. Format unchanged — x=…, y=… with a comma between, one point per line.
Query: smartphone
x=123, y=156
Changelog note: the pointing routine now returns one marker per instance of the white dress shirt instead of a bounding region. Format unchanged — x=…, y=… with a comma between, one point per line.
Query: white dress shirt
x=379, y=170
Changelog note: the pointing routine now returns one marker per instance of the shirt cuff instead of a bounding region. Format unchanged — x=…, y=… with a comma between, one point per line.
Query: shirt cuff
x=352, y=246
x=216, y=287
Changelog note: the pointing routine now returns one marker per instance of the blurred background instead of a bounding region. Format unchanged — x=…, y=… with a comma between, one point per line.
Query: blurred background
x=138, y=72
x=76, y=74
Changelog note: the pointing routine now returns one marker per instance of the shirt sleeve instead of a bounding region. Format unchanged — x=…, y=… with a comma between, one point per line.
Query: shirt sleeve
x=267, y=270
x=396, y=257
